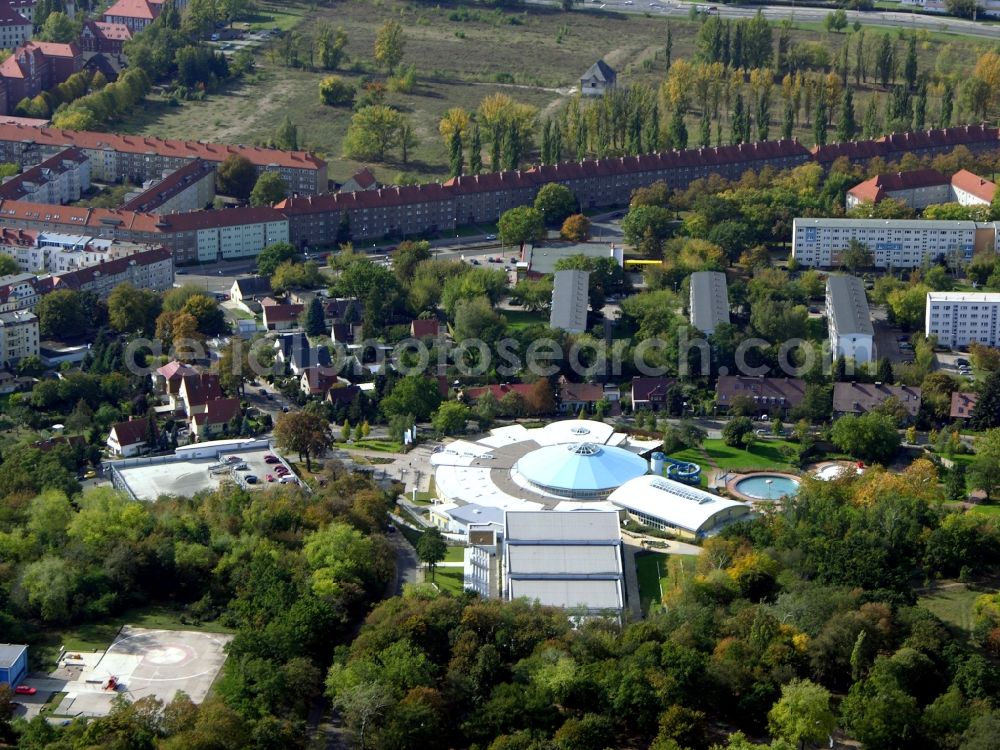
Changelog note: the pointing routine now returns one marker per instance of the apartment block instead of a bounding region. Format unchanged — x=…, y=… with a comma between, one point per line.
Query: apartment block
x=59, y=179
x=959, y=318
x=894, y=243
x=15, y=29
x=18, y=336
x=189, y=188
x=849, y=319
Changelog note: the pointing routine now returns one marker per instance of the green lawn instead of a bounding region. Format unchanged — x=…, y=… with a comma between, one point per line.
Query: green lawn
x=517, y=319
x=96, y=636
x=660, y=573
x=271, y=15
x=454, y=554
x=987, y=510
x=449, y=580
x=765, y=455
x=952, y=604
x=373, y=444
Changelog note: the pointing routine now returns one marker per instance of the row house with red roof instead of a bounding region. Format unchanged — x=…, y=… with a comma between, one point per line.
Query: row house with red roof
x=135, y=15
x=102, y=36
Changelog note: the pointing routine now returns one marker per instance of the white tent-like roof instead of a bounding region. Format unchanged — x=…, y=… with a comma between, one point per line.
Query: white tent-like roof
x=675, y=504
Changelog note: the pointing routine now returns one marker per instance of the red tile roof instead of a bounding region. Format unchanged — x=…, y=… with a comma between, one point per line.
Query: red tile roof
x=588, y=393
x=422, y=328
x=651, y=389
x=765, y=392
x=170, y=186
x=962, y=404
x=141, y=9
x=79, y=278
x=118, y=32
x=201, y=388
x=55, y=49
x=135, y=144
x=175, y=369
x=859, y=398
x=132, y=432
x=364, y=178
x=15, y=188
x=282, y=313
x=319, y=379
x=220, y=411
x=973, y=184
x=877, y=187
x=499, y=391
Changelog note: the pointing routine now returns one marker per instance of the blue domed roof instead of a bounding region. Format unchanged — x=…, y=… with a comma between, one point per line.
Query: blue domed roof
x=580, y=468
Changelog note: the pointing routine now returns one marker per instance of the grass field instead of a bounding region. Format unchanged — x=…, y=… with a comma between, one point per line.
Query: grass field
x=99, y=635
x=952, y=604
x=449, y=580
x=517, y=319
x=659, y=574
x=765, y=455
x=454, y=554
x=461, y=53
x=986, y=510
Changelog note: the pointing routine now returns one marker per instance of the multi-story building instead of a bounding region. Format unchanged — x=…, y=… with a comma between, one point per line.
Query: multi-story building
x=133, y=14
x=861, y=398
x=896, y=243
x=140, y=158
x=970, y=189
x=18, y=336
x=35, y=67
x=920, y=188
x=189, y=188
x=101, y=36
x=59, y=179
x=849, y=319
x=709, y=302
x=15, y=29
x=976, y=138
x=25, y=7
x=39, y=252
x=959, y=318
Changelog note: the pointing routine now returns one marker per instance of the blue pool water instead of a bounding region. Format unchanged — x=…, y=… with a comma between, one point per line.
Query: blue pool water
x=767, y=486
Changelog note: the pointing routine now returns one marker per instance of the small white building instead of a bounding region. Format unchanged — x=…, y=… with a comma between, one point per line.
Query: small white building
x=959, y=318
x=130, y=438
x=599, y=78
x=848, y=319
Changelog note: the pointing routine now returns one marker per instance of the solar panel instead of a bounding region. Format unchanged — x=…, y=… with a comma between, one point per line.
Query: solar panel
x=681, y=491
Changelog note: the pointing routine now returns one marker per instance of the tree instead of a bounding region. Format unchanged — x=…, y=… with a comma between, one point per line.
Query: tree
x=986, y=413
x=209, y=317
x=334, y=91
x=60, y=313
x=390, y=42
x=314, y=321
x=274, y=255
x=576, y=228
x=431, y=549
x=819, y=121
x=304, y=433
x=373, y=131
x=847, y=127
x=856, y=255
x=269, y=188
x=962, y=8
x=413, y=395
x=236, y=177
x=985, y=470
x=735, y=429
x=872, y=437
x=450, y=418
x=330, y=47
x=520, y=225
x=59, y=27
x=541, y=400
x=802, y=714
x=234, y=366
x=455, y=159
x=291, y=275
x=835, y=21
x=647, y=224
x=475, y=151
x=556, y=202
x=884, y=373
x=132, y=310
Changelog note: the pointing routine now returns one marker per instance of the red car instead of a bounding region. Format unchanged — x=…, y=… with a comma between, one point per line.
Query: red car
x=281, y=471
x=270, y=459
x=25, y=690
x=269, y=477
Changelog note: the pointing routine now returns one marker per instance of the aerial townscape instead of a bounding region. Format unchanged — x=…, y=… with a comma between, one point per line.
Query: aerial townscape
x=499, y=375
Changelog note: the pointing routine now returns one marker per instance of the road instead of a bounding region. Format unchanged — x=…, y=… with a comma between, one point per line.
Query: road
x=891, y=19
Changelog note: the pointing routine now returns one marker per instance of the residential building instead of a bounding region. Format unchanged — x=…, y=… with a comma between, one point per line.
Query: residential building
x=563, y=559
x=151, y=268
x=767, y=395
x=576, y=396
x=188, y=188
x=133, y=437
x=13, y=664
x=279, y=317
x=422, y=328
x=970, y=189
x=215, y=418
x=916, y=188
x=167, y=379
x=959, y=318
x=15, y=29
x=195, y=392
x=21, y=291
x=25, y=7
x=135, y=15
x=35, y=67
x=59, y=179
x=570, y=300
x=668, y=505
x=962, y=404
x=252, y=288
x=472, y=395
x=892, y=147
x=895, y=243
x=140, y=158
x=101, y=36
x=482, y=558
x=709, y=302
x=599, y=78
x=861, y=398
x=316, y=381
x=18, y=336
x=651, y=393
x=848, y=318
x=361, y=180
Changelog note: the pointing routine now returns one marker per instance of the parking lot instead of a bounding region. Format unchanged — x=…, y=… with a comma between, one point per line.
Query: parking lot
x=188, y=477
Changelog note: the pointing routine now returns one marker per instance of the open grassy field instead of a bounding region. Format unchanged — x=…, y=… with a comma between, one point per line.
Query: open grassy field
x=462, y=53
x=765, y=455
x=659, y=574
x=986, y=510
x=952, y=602
x=449, y=579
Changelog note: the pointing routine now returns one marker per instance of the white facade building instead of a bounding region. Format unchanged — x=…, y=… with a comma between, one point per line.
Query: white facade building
x=18, y=336
x=896, y=243
x=848, y=319
x=959, y=318
x=239, y=240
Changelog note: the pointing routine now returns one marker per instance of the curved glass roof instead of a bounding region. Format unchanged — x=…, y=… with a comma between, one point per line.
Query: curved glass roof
x=575, y=469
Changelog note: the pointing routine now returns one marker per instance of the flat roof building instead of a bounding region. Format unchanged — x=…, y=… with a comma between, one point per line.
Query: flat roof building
x=571, y=560
x=849, y=320
x=570, y=300
x=959, y=318
x=664, y=504
x=13, y=663
x=709, y=301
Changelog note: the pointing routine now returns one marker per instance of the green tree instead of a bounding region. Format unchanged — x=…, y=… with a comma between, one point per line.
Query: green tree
x=455, y=158
x=984, y=473
x=304, y=433
x=475, y=151
x=373, y=131
x=872, y=437
x=390, y=43
x=556, y=202
x=274, y=255
x=59, y=27
x=431, y=549
x=413, y=395
x=735, y=429
x=835, y=21
x=132, y=310
x=334, y=91
x=847, y=126
x=802, y=714
x=451, y=417
x=60, y=313
x=330, y=47
x=521, y=224
x=269, y=188
x=236, y=176
x=986, y=412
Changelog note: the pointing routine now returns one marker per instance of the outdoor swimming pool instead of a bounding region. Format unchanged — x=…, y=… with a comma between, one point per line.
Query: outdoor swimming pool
x=767, y=486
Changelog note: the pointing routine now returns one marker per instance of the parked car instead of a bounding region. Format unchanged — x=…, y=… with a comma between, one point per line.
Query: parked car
x=491, y=237
x=270, y=458
x=251, y=479
x=289, y=479
x=269, y=477
x=25, y=690
x=233, y=459
x=906, y=345
x=962, y=362
x=262, y=391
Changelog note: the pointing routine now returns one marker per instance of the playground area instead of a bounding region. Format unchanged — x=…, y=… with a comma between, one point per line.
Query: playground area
x=139, y=663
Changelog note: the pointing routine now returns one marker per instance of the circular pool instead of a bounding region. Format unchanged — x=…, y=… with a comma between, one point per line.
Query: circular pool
x=767, y=486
